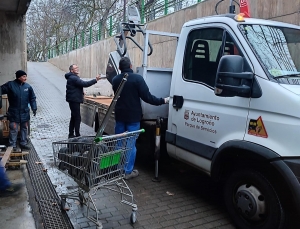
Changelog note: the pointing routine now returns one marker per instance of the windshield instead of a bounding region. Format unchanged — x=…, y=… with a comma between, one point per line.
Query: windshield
x=278, y=48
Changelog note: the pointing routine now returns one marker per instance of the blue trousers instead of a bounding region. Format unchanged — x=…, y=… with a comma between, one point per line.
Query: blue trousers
x=13, y=133
x=121, y=127
x=4, y=182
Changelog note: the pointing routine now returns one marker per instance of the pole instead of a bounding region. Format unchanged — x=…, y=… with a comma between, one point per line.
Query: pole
x=124, y=11
x=157, y=148
x=110, y=109
x=231, y=7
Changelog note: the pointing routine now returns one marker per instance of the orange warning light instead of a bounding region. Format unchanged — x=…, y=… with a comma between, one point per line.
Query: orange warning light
x=240, y=17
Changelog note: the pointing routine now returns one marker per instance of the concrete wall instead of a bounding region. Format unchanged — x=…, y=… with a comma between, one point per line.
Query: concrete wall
x=13, y=53
x=93, y=59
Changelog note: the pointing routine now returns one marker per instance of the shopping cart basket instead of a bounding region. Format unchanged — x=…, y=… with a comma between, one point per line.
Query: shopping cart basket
x=94, y=165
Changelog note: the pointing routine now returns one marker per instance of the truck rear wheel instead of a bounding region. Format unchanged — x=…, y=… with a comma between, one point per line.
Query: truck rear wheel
x=252, y=201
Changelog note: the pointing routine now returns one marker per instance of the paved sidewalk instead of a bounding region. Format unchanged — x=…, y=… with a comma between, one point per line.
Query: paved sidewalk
x=15, y=211
x=184, y=199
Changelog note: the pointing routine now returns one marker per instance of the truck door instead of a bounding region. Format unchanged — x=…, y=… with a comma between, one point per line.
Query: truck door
x=204, y=121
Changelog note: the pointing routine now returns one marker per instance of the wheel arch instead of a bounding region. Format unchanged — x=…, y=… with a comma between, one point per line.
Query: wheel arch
x=240, y=154
x=235, y=153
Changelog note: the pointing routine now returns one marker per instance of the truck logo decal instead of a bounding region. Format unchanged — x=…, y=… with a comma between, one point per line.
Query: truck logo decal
x=186, y=114
x=257, y=128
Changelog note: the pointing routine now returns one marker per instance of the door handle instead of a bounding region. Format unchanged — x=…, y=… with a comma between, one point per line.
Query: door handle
x=177, y=101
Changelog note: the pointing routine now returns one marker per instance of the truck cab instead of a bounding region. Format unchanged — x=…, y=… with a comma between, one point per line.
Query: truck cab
x=234, y=113
x=234, y=110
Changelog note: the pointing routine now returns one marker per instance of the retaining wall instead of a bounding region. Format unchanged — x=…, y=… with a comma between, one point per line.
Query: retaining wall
x=93, y=59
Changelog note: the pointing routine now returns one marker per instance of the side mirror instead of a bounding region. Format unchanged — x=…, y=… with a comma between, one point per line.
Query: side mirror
x=231, y=80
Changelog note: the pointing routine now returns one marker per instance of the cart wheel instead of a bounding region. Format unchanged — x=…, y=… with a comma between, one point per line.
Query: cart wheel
x=87, y=181
x=133, y=217
x=63, y=204
x=82, y=198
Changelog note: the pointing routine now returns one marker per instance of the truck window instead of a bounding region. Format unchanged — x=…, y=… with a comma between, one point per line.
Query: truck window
x=203, y=53
x=277, y=49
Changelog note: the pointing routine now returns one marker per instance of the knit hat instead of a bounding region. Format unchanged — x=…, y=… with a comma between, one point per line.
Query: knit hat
x=20, y=73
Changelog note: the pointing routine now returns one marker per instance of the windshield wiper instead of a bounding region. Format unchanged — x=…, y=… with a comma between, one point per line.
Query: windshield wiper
x=287, y=76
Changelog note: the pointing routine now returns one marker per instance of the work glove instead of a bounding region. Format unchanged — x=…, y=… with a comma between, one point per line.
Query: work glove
x=167, y=99
x=34, y=112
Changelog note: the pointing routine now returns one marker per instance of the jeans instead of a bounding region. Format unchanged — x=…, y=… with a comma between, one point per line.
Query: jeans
x=121, y=127
x=4, y=182
x=13, y=133
x=75, y=119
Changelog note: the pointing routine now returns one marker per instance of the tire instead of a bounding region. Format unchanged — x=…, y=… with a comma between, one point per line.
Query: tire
x=133, y=217
x=81, y=198
x=252, y=202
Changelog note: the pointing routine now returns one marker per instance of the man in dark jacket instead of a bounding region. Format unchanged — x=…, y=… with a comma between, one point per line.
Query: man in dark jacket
x=74, y=96
x=128, y=109
x=20, y=95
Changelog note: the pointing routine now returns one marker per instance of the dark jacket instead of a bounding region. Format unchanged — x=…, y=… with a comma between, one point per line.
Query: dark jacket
x=75, y=87
x=128, y=107
x=19, y=95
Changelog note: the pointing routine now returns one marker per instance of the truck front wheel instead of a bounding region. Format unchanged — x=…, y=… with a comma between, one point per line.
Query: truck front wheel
x=252, y=201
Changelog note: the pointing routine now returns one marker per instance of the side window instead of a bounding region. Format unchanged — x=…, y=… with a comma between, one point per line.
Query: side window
x=204, y=50
x=200, y=58
x=230, y=48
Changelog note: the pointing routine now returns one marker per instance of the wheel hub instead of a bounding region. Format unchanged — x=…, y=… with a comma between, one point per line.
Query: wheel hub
x=250, y=202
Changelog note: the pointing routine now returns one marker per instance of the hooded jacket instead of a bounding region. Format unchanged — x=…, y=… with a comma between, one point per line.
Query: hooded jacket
x=19, y=96
x=128, y=107
x=74, y=87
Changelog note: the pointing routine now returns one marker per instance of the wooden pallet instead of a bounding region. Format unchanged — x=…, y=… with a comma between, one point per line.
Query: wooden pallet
x=8, y=160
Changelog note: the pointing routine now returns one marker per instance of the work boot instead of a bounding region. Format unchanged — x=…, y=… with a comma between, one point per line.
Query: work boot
x=11, y=190
x=133, y=174
x=25, y=147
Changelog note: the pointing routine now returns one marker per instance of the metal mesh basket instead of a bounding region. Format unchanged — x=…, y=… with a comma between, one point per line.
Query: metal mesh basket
x=92, y=164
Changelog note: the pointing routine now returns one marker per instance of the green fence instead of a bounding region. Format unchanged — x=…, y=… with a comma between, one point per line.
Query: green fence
x=152, y=10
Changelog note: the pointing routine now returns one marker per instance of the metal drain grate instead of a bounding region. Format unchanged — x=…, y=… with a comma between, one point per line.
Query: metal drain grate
x=50, y=207
x=45, y=194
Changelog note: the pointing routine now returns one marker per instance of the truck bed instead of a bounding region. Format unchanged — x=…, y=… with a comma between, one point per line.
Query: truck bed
x=93, y=111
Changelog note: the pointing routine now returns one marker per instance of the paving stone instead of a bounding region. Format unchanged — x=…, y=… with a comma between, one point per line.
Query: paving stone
x=83, y=225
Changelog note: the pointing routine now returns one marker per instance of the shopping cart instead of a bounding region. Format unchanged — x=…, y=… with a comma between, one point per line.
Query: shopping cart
x=94, y=165
x=97, y=162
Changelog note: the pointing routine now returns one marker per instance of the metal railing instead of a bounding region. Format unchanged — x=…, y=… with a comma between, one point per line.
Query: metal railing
x=152, y=10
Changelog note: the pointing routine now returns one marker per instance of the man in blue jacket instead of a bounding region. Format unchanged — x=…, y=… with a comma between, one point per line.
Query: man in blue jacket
x=20, y=94
x=128, y=109
x=74, y=96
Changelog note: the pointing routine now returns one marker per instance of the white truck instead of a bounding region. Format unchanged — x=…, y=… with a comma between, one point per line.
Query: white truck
x=234, y=110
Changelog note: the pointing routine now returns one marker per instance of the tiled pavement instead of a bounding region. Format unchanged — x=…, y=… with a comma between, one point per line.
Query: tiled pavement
x=184, y=198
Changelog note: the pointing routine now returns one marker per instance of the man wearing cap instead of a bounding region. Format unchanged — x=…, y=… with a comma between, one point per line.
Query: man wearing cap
x=128, y=110
x=19, y=94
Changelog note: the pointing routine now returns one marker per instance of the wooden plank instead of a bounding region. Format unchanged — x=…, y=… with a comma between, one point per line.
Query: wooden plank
x=6, y=155
x=15, y=163
x=100, y=99
x=20, y=154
